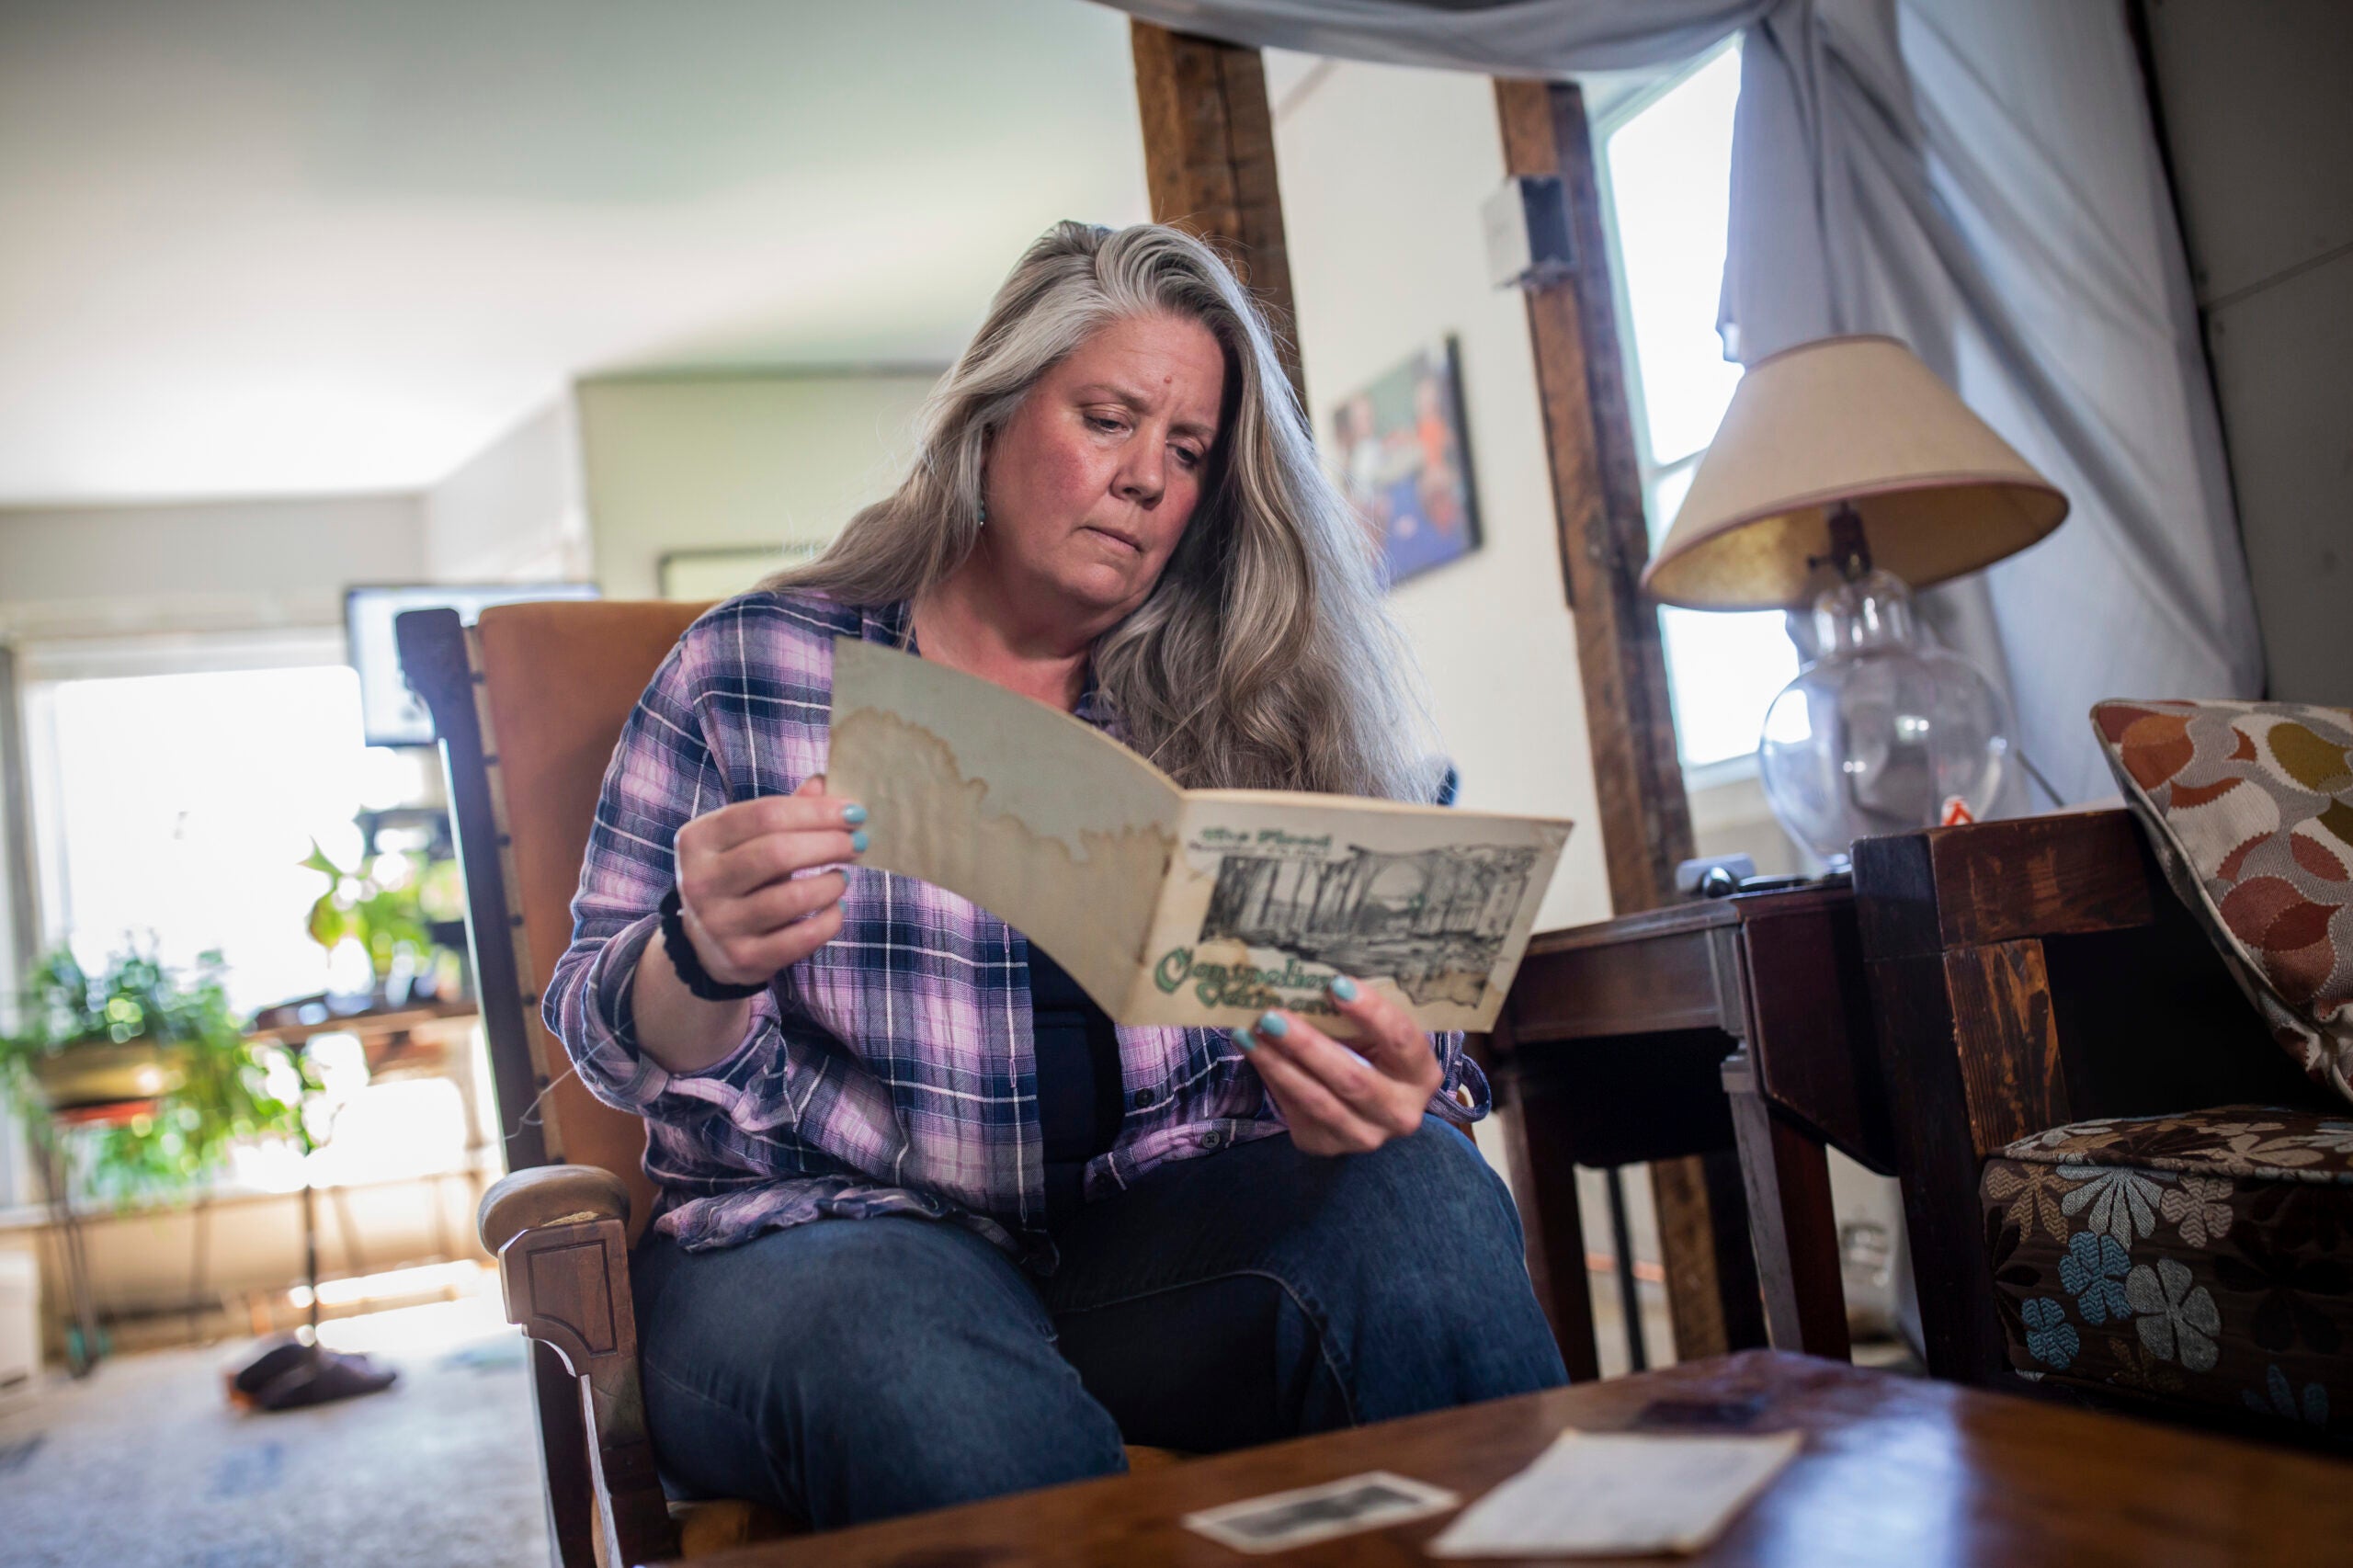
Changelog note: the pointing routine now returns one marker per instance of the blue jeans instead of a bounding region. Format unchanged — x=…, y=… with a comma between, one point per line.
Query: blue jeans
x=853, y=1369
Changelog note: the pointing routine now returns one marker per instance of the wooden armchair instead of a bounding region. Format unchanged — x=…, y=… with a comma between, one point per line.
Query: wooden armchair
x=2032, y=974
x=528, y=706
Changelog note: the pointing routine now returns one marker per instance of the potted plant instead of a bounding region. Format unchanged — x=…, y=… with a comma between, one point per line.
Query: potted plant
x=160, y=1048
x=389, y=904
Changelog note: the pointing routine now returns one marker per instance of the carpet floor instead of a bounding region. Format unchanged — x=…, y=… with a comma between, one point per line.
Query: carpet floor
x=144, y=1462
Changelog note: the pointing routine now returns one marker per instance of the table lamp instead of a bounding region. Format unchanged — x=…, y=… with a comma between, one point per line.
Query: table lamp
x=1844, y=475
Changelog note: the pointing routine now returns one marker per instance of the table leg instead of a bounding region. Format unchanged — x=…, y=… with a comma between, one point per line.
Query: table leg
x=1791, y=1222
x=311, y=1249
x=1630, y=1297
x=1544, y=1179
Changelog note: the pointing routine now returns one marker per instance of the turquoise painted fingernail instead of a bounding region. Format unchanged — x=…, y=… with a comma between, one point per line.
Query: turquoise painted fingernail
x=1274, y=1024
x=1242, y=1038
x=853, y=814
x=857, y=842
x=1344, y=988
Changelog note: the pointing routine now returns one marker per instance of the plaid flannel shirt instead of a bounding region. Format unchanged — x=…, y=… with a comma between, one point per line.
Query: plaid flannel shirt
x=892, y=1071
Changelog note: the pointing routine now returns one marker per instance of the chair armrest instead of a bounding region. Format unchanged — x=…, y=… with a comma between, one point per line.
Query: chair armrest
x=2066, y=874
x=549, y=1195
x=560, y=1234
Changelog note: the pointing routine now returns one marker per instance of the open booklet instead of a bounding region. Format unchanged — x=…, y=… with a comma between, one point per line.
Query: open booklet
x=1178, y=907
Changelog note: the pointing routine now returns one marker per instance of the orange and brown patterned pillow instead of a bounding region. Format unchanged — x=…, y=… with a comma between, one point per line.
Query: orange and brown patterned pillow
x=2250, y=806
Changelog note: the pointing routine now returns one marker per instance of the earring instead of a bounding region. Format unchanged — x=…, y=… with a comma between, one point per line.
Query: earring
x=985, y=511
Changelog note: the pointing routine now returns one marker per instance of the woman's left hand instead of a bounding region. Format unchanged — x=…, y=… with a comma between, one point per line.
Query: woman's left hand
x=1346, y=1099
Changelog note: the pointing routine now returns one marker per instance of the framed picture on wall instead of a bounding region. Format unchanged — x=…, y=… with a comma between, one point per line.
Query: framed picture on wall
x=695, y=575
x=1404, y=464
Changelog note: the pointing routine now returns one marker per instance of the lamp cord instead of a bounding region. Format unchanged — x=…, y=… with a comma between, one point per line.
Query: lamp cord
x=2036, y=774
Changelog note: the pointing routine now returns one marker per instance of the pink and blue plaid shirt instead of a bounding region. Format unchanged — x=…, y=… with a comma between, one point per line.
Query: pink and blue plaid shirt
x=892, y=1071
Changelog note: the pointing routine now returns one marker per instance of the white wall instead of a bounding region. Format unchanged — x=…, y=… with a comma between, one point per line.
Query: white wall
x=516, y=511
x=692, y=462
x=1382, y=172
x=227, y=565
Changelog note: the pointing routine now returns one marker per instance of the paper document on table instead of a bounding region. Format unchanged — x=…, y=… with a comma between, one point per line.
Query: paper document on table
x=1606, y=1494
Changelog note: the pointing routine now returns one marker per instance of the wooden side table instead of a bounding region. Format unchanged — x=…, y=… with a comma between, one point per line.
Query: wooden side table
x=1737, y=1029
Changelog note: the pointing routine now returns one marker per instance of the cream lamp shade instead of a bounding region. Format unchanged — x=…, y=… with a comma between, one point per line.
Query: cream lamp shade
x=1853, y=420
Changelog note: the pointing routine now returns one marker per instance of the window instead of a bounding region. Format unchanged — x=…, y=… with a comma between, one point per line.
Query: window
x=179, y=807
x=1664, y=166
x=183, y=805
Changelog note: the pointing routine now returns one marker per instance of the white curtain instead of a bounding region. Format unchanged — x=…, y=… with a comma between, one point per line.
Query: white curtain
x=1978, y=178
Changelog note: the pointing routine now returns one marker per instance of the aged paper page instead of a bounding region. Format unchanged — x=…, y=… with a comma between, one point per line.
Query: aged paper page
x=1273, y=894
x=1055, y=829
x=1611, y=1494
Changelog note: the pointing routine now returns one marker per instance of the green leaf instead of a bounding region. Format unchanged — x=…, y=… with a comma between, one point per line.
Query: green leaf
x=221, y=1101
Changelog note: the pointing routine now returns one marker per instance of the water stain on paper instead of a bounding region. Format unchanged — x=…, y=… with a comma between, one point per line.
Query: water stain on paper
x=1089, y=904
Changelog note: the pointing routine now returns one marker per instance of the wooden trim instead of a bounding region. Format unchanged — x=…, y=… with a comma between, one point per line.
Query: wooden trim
x=1951, y=921
x=1702, y=1206
x=1938, y=1165
x=435, y=656
x=543, y=1049
x=1809, y=1024
x=2012, y=1081
x=1597, y=504
x=1787, y=1178
x=1209, y=155
x=567, y=1285
x=570, y=1489
x=2068, y=874
x=1651, y=983
x=1544, y=1176
x=1597, y=499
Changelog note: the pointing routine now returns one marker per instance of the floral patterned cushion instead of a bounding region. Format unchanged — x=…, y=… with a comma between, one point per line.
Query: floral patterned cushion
x=2204, y=1259
x=2250, y=807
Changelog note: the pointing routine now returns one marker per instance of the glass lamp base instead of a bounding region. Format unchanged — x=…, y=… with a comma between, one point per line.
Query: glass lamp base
x=1882, y=733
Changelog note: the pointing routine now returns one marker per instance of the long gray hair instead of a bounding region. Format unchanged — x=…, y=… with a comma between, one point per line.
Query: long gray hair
x=1265, y=656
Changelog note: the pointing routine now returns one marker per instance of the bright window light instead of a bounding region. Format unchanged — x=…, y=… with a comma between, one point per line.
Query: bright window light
x=1666, y=166
x=184, y=804
x=463, y=1278
x=181, y=807
x=1725, y=670
x=1670, y=178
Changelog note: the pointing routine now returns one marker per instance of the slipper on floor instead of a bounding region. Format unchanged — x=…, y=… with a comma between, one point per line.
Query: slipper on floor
x=290, y=1375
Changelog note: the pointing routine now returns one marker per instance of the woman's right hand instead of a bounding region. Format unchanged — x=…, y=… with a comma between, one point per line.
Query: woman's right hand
x=745, y=906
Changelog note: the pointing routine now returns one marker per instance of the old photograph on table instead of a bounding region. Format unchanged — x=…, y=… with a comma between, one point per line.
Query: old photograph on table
x=1287, y=1519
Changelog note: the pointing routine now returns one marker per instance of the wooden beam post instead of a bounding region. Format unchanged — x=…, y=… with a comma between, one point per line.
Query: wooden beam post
x=1209, y=155
x=1597, y=496
x=1597, y=499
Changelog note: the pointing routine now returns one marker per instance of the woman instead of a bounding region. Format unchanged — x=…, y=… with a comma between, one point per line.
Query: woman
x=932, y=1229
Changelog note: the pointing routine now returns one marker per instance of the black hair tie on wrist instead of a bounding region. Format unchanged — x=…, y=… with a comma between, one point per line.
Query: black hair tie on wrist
x=684, y=958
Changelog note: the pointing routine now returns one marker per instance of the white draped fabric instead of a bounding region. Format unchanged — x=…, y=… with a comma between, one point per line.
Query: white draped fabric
x=1980, y=179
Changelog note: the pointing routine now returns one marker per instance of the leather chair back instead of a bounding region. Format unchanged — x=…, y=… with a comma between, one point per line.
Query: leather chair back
x=559, y=681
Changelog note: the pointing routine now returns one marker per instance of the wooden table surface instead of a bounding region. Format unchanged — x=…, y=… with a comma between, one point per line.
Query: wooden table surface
x=1895, y=1470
